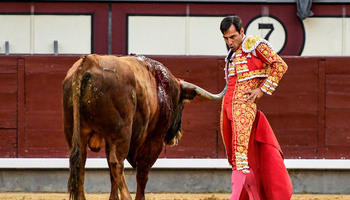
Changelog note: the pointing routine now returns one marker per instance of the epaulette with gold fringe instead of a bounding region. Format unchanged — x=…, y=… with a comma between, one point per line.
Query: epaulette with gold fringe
x=251, y=42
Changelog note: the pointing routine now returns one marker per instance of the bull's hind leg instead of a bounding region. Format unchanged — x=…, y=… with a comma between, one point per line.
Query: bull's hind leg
x=82, y=168
x=116, y=151
x=77, y=165
x=114, y=189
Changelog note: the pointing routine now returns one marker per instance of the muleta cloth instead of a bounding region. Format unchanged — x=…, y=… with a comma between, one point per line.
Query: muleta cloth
x=265, y=158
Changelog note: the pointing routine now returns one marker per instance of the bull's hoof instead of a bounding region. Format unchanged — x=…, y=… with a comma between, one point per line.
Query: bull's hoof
x=113, y=197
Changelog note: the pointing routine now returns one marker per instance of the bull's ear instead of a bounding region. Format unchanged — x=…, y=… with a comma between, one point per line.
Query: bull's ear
x=188, y=92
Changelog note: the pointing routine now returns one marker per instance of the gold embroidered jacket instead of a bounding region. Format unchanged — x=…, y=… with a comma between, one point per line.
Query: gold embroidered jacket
x=256, y=58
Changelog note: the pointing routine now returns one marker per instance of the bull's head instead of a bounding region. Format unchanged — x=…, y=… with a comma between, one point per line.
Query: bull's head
x=188, y=91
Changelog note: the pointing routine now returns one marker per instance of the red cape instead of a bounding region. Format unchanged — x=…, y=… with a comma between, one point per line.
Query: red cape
x=265, y=158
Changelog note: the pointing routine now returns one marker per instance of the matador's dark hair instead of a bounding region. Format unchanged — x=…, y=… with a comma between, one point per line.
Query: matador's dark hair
x=227, y=22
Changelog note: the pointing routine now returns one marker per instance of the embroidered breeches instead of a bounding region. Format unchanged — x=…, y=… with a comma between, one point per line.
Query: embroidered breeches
x=237, y=118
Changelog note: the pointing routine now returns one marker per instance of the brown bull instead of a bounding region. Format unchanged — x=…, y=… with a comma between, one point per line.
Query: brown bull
x=133, y=104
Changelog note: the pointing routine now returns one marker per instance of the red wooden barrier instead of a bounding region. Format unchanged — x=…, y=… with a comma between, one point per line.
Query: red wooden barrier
x=309, y=111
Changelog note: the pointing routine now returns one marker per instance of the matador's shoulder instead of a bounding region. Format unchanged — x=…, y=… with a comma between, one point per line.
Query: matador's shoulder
x=250, y=43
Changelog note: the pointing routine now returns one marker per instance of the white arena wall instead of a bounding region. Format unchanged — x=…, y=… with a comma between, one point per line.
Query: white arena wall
x=168, y=175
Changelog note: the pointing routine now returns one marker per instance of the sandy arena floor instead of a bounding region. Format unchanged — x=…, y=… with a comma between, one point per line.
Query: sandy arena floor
x=158, y=196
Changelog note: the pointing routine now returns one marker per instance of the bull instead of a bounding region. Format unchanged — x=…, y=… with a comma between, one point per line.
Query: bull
x=133, y=105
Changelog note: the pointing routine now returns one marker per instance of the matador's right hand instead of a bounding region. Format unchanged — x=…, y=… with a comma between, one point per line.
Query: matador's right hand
x=254, y=96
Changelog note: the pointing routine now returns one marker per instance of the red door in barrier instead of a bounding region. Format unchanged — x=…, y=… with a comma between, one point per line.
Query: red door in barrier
x=8, y=107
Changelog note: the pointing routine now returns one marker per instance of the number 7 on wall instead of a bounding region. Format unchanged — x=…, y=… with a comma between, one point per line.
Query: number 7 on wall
x=267, y=26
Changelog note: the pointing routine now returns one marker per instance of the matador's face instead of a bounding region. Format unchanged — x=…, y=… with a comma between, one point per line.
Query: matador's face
x=233, y=38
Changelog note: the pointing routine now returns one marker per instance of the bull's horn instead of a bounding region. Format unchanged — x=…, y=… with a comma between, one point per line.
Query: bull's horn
x=203, y=93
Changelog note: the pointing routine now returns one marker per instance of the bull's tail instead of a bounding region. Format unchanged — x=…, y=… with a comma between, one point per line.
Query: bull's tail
x=75, y=160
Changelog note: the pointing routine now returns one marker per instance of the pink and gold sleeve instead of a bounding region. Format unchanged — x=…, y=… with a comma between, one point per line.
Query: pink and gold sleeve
x=277, y=64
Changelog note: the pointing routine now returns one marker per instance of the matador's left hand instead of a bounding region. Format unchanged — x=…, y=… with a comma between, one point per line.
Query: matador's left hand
x=254, y=95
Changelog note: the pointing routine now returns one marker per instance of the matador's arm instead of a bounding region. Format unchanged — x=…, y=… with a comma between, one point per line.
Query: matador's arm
x=278, y=67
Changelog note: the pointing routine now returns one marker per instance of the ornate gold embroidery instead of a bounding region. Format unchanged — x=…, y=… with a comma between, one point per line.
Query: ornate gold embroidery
x=249, y=43
x=243, y=118
x=239, y=59
x=241, y=68
x=231, y=70
x=231, y=73
x=278, y=68
x=239, y=51
x=253, y=74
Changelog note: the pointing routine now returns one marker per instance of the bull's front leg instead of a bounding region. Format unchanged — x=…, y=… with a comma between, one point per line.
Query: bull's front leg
x=142, y=178
x=146, y=159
